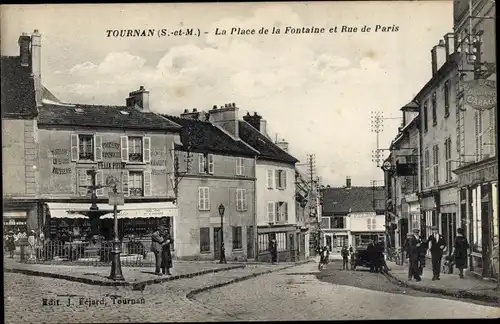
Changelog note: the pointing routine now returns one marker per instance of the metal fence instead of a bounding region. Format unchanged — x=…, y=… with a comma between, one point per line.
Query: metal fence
x=133, y=253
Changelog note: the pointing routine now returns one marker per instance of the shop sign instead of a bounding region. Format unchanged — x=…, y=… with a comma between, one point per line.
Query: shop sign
x=487, y=174
x=14, y=222
x=116, y=199
x=480, y=94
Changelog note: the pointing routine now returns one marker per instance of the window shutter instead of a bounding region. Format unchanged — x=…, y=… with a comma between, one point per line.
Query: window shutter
x=97, y=147
x=285, y=212
x=201, y=163
x=238, y=199
x=125, y=190
x=99, y=181
x=283, y=183
x=277, y=183
x=207, y=198
x=200, y=199
x=74, y=147
x=270, y=179
x=210, y=164
x=277, y=208
x=270, y=211
x=146, y=149
x=147, y=183
x=244, y=198
x=83, y=182
x=124, y=148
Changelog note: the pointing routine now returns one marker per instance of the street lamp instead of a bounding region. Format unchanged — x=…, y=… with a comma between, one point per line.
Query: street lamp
x=222, y=248
x=116, y=267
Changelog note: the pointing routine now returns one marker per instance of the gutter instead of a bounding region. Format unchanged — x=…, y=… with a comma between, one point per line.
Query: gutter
x=255, y=230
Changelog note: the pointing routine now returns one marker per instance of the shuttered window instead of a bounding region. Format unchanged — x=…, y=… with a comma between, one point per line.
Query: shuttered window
x=204, y=198
x=270, y=211
x=241, y=200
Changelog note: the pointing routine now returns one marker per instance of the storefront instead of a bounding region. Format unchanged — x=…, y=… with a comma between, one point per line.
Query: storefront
x=334, y=241
x=449, y=223
x=413, y=211
x=136, y=221
x=286, y=241
x=429, y=213
x=479, y=184
x=20, y=216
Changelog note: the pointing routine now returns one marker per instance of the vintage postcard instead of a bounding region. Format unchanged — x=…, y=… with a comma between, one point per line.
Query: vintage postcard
x=264, y=161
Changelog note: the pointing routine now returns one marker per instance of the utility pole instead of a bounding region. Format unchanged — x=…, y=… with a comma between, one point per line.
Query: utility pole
x=313, y=187
x=377, y=126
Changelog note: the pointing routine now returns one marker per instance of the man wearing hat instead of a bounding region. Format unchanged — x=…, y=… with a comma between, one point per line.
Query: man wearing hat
x=157, y=243
x=436, y=245
x=166, y=254
x=413, y=252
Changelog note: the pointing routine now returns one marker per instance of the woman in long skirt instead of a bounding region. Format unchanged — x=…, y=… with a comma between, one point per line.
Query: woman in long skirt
x=460, y=252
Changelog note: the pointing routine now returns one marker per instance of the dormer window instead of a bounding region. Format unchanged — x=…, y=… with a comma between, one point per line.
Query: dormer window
x=205, y=163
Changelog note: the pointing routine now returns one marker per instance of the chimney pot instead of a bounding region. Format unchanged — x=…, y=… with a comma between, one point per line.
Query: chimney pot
x=441, y=42
x=195, y=110
x=35, y=31
x=24, y=34
x=141, y=88
x=186, y=111
x=248, y=114
x=255, y=113
x=234, y=105
x=214, y=107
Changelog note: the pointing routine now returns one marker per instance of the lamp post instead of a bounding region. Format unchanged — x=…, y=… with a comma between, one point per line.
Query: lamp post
x=222, y=248
x=116, y=267
x=388, y=168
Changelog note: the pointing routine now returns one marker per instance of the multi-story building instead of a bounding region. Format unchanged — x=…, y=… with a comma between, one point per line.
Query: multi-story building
x=275, y=190
x=304, y=209
x=19, y=124
x=129, y=146
x=214, y=167
x=401, y=169
x=476, y=127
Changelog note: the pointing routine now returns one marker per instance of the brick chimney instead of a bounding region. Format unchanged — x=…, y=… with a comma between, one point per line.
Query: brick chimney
x=195, y=114
x=139, y=99
x=449, y=40
x=36, y=64
x=438, y=56
x=283, y=145
x=348, y=182
x=226, y=117
x=254, y=120
x=24, y=49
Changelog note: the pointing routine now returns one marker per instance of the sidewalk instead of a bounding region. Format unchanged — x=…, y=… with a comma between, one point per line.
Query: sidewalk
x=133, y=275
x=449, y=284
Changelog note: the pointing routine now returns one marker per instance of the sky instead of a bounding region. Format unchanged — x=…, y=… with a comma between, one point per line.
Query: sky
x=316, y=91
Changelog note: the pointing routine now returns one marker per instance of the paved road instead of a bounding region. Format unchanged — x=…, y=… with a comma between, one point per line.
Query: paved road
x=282, y=295
x=363, y=278
x=297, y=294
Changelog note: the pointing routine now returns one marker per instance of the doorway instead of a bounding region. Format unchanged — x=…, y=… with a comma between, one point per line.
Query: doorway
x=292, y=247
x=250, y=242
x=217, y=242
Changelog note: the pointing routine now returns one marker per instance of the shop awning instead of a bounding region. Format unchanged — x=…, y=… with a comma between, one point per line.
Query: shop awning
x=73, y=211
x=145, y=210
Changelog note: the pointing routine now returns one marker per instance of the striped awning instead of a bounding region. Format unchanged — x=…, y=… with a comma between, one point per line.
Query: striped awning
x=145, y=210
x=73, y=211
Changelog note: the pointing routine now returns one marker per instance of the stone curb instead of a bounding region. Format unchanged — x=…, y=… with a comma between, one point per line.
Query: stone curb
x=191, y=294
x=98, y=282
x=457, y=293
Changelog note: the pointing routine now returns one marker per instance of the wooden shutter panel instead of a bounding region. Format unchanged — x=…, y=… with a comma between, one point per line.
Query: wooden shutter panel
x=283, y=184
x=125, y=186
x=285, y=212
x=124, y=148
x=277, y=178
x=147, y=183
x=98, y=147
x=83, y=182
x=269, y=179
x=244, y=198
x=270, y=211
x=210, y=163
x=99, y=179
x=201, y=163
x=146, y=149
x=75, y=149
x=200, y=197
x=207, y=197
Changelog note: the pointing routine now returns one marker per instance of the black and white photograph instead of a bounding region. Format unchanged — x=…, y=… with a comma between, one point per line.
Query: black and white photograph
x=249, y=161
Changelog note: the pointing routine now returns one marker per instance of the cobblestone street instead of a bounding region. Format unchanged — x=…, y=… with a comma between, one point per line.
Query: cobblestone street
x=296, y=294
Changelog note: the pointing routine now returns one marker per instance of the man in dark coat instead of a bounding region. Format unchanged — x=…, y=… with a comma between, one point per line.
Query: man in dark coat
x=157, y=242
x=371, y=252
x=273, y=249
x=436, y=245
x=166, y=254
x=413, y=253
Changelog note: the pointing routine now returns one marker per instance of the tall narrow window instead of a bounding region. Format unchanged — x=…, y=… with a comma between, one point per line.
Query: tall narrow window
x=86, y=147
x=204, y=240
x=135, y=151
x=136, y=183
x=239, y=166
x=204, y=198
x=436, y=164
x=426, y=115
x=426, y=168
x=434, y=109
x=446, y=94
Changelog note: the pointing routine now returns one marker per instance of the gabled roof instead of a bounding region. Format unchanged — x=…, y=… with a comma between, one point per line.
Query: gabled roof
x=268, y=150
x=202, y=136
x=18, y=97
x=57, y=114
x=355, y=199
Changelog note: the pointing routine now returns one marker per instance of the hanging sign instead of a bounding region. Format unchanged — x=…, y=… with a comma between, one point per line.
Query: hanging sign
x=480, y=94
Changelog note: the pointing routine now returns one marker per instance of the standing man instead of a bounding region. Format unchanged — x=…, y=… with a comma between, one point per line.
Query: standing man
x=166, y=255
x=157, y=241
x=345, y=258
x=436, y=245
x=273, y=249
x=413, y=253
